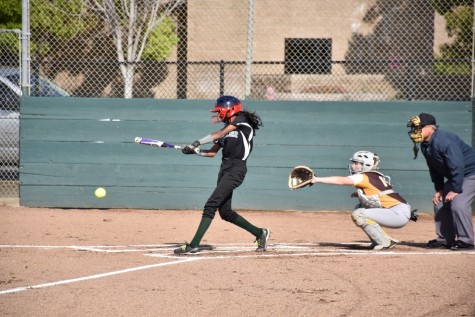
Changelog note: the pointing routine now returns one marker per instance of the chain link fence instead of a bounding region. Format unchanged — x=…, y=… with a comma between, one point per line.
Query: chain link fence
x=9, y=112
x=358, y=50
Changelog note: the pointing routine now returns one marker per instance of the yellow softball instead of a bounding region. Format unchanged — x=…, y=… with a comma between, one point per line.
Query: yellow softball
x=100, y=192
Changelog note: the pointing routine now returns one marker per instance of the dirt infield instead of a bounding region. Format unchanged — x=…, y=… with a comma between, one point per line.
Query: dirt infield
x=57, y=262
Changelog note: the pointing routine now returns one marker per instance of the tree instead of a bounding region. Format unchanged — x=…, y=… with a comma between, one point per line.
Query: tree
x=458, y=16
x=138, y=28
x=57, y=21
x=10, y=18
x=10, y=14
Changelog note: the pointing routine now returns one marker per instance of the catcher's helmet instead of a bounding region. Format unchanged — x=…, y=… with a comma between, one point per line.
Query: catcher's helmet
x=369, y=161
x=225, y=107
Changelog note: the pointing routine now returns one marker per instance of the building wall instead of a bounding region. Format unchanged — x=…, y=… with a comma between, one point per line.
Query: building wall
x=218, y=29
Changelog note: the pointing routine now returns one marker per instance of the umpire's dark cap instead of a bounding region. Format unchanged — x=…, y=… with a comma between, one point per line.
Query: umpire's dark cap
x=427, y=119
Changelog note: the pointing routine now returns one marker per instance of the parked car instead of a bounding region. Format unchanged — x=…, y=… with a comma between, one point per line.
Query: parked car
x=10, y=93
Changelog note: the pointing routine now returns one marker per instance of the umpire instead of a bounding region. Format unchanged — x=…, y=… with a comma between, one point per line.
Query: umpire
x=451, y=165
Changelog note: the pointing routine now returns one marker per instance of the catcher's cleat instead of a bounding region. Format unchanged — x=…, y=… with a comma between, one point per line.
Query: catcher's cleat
x=262, y=241
x=378, y=247
x=414, y=215
x=185, y=248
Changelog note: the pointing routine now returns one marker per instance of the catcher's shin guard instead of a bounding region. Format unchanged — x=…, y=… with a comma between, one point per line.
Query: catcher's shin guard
x=372, y=229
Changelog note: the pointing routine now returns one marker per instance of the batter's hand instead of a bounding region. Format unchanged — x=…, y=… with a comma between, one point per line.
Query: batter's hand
x=189, y=149
x=450, y=196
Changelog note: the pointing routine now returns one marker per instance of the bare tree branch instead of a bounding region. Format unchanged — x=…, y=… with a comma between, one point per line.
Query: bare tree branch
x=131, y=23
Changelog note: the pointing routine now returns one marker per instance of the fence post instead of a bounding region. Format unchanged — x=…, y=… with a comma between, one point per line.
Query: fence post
x=410, y=80
x=473, y=82
x=221, y=77
x=473, y=54
x=250, y=23
x=182, y=51
x=25, y=48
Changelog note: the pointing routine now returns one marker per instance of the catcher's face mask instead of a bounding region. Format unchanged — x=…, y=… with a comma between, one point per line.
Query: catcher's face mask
x=355, y=167
x=363, y=161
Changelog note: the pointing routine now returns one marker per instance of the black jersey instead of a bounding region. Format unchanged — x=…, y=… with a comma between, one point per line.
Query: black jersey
x=238, y=143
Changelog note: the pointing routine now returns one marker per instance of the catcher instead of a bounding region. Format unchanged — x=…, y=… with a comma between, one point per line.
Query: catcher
x=379, y=204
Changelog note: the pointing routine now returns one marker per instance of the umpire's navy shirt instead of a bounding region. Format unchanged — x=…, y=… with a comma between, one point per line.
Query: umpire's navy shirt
x=448, y=156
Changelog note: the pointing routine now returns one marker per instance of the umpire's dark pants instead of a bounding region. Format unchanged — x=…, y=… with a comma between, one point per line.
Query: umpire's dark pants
x=231, y=175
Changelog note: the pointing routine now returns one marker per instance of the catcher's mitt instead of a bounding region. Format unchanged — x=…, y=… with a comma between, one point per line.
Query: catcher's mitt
x=300, y=176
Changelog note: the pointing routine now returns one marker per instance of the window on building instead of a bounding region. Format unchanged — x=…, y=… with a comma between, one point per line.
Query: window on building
x=308, y=56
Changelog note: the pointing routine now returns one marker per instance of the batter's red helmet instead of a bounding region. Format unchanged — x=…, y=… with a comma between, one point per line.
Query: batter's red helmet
x=225, y=107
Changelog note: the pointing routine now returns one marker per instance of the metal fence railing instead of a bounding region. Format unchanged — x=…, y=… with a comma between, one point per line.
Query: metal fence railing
x=392, y=80
x=177, y=49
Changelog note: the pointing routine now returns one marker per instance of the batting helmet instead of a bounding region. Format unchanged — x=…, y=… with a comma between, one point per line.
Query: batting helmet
x=225, y=107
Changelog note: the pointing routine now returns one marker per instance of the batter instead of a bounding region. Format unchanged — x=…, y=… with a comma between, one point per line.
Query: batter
x=236, y=141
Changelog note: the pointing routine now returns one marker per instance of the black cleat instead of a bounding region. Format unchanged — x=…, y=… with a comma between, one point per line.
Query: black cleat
x=460, y=245
x=436, y=244
x=262, y=241
x=185, y=248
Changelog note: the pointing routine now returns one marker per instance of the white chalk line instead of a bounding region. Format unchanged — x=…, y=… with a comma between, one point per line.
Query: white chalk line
x=300, y=249
x=319, y=254
x=90, y=277
x=313, y=248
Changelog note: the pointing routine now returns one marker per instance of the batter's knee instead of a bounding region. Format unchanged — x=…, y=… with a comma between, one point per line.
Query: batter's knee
x=358, y=217
x=209, y=213
x=228, y=215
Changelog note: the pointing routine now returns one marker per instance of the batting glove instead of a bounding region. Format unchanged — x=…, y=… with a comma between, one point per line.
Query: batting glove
x=189, y=149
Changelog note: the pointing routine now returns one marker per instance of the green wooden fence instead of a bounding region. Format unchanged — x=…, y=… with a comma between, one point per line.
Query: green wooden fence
x=71, y=146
